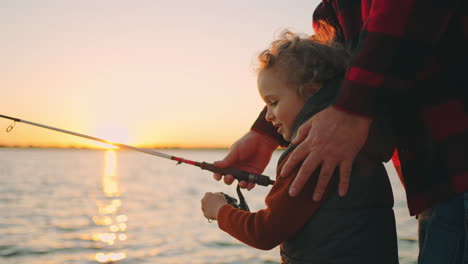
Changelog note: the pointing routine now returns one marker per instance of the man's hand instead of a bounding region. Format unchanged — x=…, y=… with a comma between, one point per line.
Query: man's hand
x=332, y=138
x=251, y=153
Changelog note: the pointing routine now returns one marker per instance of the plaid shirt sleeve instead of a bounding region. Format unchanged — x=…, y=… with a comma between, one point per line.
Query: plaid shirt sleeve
x=392, y=47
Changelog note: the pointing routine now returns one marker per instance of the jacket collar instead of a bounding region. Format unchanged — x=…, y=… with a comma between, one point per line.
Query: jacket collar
x=322, y=99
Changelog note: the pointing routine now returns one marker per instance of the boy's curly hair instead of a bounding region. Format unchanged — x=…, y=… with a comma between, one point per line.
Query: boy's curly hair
x=305, y=61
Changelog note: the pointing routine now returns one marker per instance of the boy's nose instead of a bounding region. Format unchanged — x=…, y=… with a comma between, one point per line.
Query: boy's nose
x=269, y=116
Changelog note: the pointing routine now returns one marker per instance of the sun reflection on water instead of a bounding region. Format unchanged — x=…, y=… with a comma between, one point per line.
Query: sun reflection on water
x=110, y=213
x=110, y=257
x=110, y=182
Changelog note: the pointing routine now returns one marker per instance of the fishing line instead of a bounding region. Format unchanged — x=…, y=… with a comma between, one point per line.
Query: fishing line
x=238, y=174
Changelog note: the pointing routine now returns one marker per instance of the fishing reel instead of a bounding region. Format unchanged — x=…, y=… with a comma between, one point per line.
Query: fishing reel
x=233, y=201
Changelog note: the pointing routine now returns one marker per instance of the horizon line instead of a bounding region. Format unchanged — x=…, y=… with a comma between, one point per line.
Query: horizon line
x=112, y=147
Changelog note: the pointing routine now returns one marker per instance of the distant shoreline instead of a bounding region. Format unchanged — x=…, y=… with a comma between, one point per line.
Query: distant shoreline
x=103, y=148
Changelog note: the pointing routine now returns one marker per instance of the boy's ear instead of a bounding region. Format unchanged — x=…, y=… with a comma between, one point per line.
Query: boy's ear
x=311, y=88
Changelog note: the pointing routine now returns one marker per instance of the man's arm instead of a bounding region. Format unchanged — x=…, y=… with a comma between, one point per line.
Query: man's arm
x=395, y=42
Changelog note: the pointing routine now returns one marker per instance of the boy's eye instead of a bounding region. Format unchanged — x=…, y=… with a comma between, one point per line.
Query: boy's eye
x=272, y=103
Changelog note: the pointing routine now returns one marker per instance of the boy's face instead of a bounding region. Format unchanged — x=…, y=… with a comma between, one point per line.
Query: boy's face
x=282, y=101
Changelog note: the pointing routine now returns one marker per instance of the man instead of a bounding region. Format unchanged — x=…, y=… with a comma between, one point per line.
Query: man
x=409, y=65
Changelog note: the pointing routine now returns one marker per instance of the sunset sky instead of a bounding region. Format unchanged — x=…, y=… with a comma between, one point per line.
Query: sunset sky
x=141, y=72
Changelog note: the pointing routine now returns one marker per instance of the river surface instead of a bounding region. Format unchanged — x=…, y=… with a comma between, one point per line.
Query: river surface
x=64, y=206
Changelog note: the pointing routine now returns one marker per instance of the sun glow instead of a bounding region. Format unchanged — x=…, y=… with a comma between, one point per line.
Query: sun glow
x=113, y=133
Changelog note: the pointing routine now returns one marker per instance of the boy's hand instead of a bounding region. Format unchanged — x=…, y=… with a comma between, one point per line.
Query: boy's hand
x=332, y=139
x=251, y=153
x=211, y=203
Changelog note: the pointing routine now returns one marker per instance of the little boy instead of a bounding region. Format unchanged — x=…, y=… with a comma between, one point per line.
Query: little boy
x=298, y=77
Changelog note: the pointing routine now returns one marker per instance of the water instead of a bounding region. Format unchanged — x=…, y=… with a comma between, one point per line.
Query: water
x=64, y=206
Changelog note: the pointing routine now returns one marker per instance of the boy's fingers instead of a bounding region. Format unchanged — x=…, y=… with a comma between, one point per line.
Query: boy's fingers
x=223, y=163
x=246, y=185
x=250, y=186
x=243, y=184
x=306, y=170
x=345, y=173
x=217, y=176
x=228, y=179
x=230, y=159
x=325, y=175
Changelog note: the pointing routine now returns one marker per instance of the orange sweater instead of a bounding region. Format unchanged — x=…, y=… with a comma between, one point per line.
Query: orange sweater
x=283, y=217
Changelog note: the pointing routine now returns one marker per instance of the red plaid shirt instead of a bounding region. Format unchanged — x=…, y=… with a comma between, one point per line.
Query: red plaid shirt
x=410, y=61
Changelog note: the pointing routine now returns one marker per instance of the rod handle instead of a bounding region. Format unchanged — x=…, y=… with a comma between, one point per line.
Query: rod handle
x=240, y=175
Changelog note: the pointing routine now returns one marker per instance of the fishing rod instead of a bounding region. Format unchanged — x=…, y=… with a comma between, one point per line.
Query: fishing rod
x=238, y=174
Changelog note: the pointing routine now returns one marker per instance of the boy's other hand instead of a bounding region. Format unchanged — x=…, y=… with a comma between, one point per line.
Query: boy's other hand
x=251, y=153
x=211, y=203
x=331, y=138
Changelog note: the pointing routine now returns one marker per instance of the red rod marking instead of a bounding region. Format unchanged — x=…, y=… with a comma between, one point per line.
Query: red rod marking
x=183, y=160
